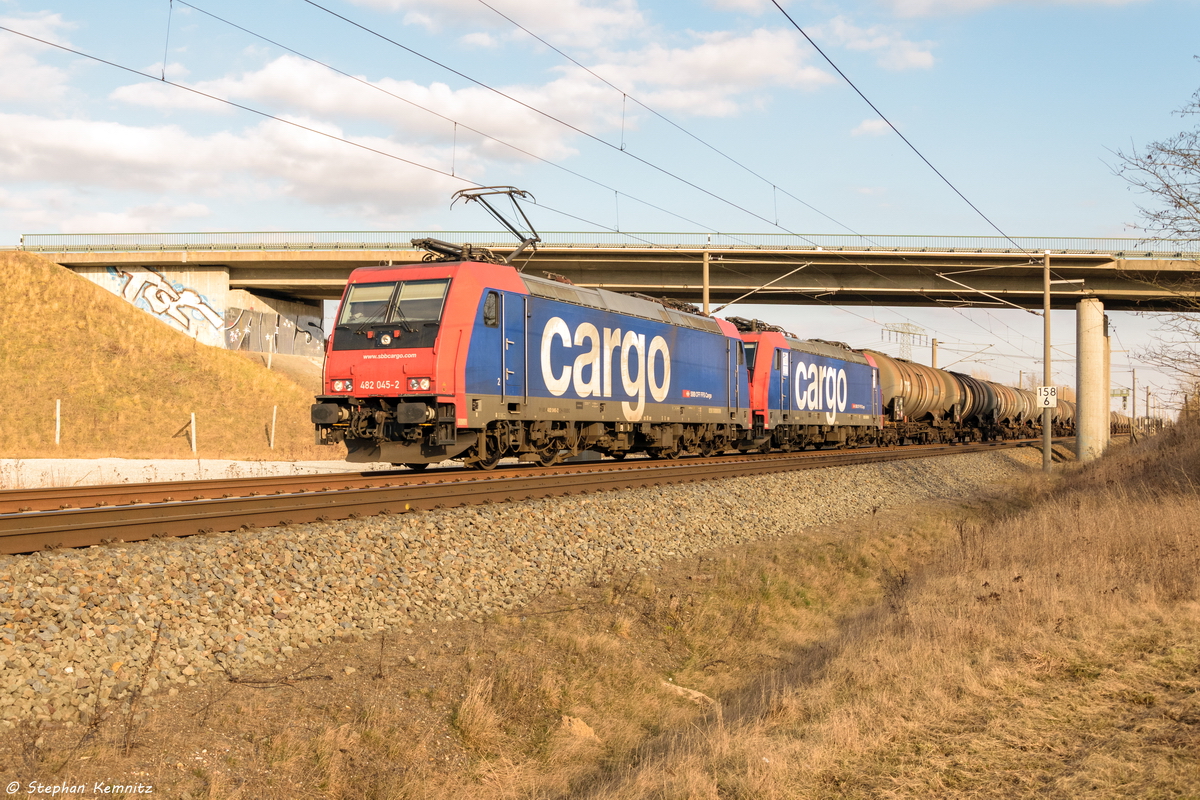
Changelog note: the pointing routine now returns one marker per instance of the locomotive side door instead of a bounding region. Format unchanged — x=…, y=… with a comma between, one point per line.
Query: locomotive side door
x=784, y=381
x=512, y=357
x=733, y=394
x=731, y=379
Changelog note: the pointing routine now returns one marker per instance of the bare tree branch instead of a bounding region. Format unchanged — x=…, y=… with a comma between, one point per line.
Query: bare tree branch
x=1168, y=173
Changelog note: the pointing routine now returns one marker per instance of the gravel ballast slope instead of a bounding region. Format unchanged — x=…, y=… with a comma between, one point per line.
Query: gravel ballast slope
x=76, y=627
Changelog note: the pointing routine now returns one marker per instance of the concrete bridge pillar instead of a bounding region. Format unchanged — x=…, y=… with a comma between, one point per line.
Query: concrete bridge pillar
x=1091, y=393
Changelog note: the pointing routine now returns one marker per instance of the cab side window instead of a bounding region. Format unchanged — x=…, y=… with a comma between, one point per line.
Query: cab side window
x=491, y=310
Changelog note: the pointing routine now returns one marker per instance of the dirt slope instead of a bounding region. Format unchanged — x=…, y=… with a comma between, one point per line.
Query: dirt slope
x=128, y=383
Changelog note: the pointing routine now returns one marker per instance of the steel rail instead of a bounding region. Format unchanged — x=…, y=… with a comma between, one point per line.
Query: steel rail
x=92, y=496
x=361, y=495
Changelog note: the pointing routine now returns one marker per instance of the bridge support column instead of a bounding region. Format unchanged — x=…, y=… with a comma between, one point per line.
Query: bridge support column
x=1091, y=395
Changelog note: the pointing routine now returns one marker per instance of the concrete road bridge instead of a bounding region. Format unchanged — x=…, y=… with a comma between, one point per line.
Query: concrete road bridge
x=240, y=290
x=1124, y=274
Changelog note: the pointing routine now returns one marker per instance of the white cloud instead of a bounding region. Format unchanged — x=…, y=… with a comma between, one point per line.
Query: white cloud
x=264, y=161
x=303, y=87
x=573, y=23
x=268, y=160
x=175, y=71
x=713, y=77
x=24, y=78
x=55, y=208
x=156, y=216
x=327, y=173
x=481, y=40
x=871, y=127
x=742, y=6
x=895, y=52
x=422, y=20
x=716, y=75
x=925, y=8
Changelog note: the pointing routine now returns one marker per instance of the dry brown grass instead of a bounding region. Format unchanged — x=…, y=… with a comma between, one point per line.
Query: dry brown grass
x=127, y=381
x=1051, y=649
x=1040, y=643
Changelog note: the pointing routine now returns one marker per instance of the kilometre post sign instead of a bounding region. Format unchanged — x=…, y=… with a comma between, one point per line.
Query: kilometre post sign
x=1047, y=396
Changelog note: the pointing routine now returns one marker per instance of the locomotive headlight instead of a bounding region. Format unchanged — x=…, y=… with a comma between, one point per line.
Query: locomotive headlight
x=386, y=339
x=419, y=384
x=343, y=386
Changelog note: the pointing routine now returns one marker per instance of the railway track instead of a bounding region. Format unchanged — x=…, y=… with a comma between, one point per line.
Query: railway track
x=40, y=519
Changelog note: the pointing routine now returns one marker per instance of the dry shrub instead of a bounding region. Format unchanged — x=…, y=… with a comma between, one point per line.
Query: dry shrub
x=476, y=720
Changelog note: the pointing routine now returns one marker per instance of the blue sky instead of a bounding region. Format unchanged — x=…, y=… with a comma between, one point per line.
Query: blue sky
x=1020, y=104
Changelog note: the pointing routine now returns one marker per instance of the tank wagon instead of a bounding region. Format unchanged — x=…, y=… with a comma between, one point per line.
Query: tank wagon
x=472, y=360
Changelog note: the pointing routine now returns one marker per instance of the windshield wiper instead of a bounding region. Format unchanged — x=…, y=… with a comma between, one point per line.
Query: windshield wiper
x=403, y=320
x=374, y=318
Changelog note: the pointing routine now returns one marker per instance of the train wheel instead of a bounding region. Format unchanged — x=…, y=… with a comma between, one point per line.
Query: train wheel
x=492, y=454
x=489, y=461
x=619, y=455
x=547, y=456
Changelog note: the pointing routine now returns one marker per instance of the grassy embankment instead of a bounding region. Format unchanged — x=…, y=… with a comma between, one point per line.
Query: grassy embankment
x=1044, y=642
x=128, y=382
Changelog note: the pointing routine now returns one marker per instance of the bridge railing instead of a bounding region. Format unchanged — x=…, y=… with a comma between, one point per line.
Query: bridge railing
x=400, y=240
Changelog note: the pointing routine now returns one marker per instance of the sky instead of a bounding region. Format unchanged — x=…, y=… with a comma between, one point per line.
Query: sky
x=713, y=115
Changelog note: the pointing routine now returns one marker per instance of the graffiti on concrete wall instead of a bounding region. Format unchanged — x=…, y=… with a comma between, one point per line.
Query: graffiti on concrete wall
x=269, y=332
x=169, y=301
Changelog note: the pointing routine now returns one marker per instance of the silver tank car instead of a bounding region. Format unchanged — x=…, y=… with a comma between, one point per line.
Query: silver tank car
x=925, y=393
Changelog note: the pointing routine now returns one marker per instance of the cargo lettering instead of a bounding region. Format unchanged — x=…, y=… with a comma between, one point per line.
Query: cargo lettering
x=828, y=389
x=591, y=372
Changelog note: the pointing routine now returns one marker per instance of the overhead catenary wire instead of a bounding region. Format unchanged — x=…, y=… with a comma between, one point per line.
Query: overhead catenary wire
x=600, y=142
x=616, y=192
x=167, y=40
x=896, y=130
x=626, y=96
x=240, y=106
x=457, y=123
x=324, y=134
x=593, y=137
x=587, y=134
x=275, y=118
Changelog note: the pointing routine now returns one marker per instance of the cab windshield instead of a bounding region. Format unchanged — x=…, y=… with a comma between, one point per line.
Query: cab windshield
x=408, y=312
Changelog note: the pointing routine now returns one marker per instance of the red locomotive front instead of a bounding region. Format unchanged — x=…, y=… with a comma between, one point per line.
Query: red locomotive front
x=394, y=365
